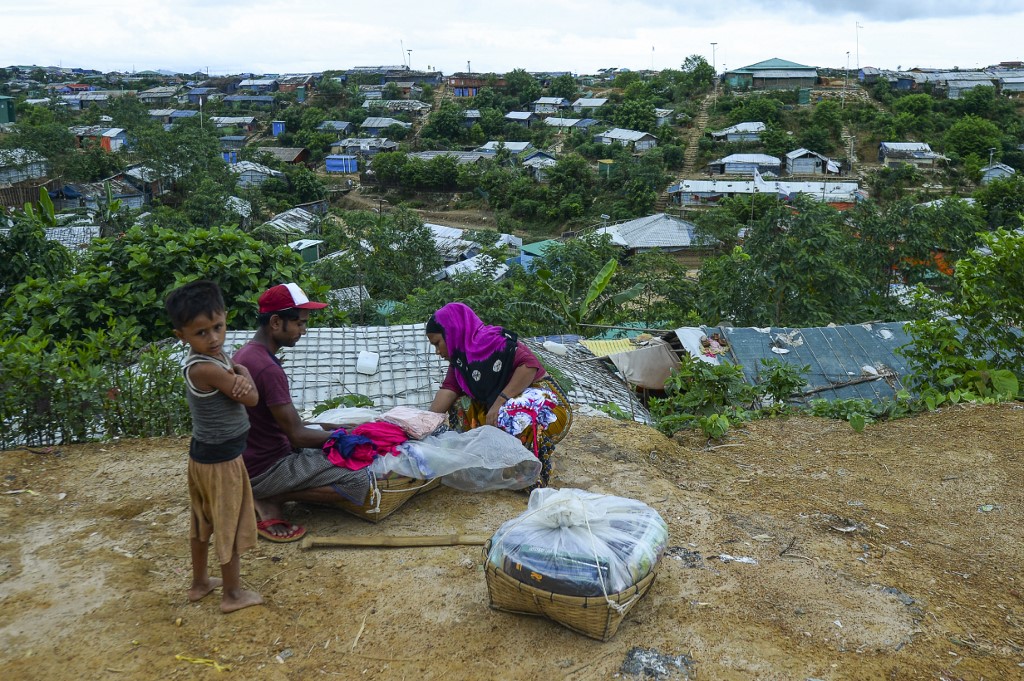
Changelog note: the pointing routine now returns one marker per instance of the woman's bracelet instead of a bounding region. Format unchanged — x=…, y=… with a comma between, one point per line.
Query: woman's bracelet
x=502, y=394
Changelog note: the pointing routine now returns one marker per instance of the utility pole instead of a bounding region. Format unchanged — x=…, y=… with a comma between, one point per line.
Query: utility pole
x=846, y=83
x=714, y=84
x=858, y=45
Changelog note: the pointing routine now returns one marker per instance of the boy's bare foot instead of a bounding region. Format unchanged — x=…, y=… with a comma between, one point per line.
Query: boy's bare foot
x=242, y=598
x=197, y=591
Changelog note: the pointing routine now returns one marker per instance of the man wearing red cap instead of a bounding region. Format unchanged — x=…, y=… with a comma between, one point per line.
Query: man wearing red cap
x=283, y=457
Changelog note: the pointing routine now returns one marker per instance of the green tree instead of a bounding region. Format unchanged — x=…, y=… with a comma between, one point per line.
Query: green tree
x=1002, y=201
x=445, y=123
x=391, y=254
x=636, y=114
x=969, y=347
x=973, y=135
x=563, y=86
x=522, y=86
x=799, y=271
x=126, y=279
x=25, y=252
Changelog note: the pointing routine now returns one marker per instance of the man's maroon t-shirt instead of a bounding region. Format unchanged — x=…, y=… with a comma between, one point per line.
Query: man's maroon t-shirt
x=267, y=443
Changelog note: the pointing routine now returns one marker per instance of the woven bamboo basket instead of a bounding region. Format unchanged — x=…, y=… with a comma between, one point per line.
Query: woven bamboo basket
x=387, y=496
x=591, y=616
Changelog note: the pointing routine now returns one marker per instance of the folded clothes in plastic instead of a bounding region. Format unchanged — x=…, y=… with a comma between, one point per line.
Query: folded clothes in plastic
x=558, y=572
x=580, y=543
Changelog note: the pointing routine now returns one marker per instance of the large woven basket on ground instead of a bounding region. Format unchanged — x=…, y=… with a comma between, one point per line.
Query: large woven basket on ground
x=387, y=495
x=593, y=616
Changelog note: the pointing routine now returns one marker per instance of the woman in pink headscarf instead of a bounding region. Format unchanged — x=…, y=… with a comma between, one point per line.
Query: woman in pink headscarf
x=506, y=384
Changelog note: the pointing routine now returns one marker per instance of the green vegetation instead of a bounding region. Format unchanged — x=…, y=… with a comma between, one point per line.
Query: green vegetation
x=81, y=330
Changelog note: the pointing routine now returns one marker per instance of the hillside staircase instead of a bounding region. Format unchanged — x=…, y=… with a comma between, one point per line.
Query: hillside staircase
x=696, y=133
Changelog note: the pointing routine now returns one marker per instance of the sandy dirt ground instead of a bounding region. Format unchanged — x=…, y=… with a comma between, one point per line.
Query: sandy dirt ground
x=895, y=553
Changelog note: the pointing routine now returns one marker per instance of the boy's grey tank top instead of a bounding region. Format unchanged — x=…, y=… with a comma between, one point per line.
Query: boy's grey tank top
x=216, y=417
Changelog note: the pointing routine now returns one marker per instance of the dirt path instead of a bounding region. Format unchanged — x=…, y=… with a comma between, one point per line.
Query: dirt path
x=891, y=554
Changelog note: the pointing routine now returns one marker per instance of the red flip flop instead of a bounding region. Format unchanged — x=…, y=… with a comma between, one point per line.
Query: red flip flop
x=262, y=528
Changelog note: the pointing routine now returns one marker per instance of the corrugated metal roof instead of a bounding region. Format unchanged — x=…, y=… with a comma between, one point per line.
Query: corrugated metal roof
x=561, y=122
x=590, y=102
x=520, y=115
x=774, y=63
x=626, y=135
x=832, y=191
x=760, y=159
x=857, y=360
x=293, y=220
x=745, y=127
x=603, y=348
x=382, y=122
x=654, y=231
x=514, y=147
x=462, y=157
x=252, y=166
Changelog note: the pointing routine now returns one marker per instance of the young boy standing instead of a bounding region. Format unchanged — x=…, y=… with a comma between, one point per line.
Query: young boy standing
x=217, y=391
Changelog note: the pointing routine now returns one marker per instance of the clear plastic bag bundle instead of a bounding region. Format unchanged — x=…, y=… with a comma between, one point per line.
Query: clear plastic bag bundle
x=578, y=543
x=481, y=459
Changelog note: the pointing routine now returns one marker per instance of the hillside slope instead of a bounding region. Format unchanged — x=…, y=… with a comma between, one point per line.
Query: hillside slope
x=895, y=553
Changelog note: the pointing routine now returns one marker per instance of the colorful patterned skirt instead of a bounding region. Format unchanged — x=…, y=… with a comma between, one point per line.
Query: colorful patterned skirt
x=539, y=440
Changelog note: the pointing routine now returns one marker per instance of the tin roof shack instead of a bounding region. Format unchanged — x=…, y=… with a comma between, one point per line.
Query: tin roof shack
x=251, y=174
x=772, y=74
x=296, y=221
x=334, y=126
x=461, y=157
x=290, y=155
x=21, y=165
x=73, y=238
x=412, y=107
x=806, y=162
x=198, y=96
x=108, y=139
x=93, y=195
x=158, y=96
x=659, y=232
x=409, y=372
x=855, y=361
x=515, y=148
x=638, y=140
x=1011, y=85
x=840, y=195
x=375, y=125
x=996, y=171
x=308, y=249
x=293, y=83
x=246, y=123
x=588, y=104
x=550, y=105
x=7, y=112
x=258, y=85
x=741, y=132
x=365, y=147
x=523, y=118
x=149, y=181
x=745, y=164
x=470, y=84
x=918, y=154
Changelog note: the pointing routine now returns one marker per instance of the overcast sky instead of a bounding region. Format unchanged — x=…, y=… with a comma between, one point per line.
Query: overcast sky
x=582, y=36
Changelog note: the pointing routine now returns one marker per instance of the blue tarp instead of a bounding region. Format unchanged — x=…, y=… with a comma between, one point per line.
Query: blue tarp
x=836, y=355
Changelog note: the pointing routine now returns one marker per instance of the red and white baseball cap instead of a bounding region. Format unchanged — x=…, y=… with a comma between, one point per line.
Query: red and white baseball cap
x=286, y=297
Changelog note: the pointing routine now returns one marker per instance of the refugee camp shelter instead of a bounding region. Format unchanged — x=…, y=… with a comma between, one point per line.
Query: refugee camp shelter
x=408, y=372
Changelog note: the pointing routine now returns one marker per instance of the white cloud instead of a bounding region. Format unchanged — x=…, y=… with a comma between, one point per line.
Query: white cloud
x=231, y=36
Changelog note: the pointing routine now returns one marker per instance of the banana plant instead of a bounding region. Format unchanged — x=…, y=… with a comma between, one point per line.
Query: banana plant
x=574, y=312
